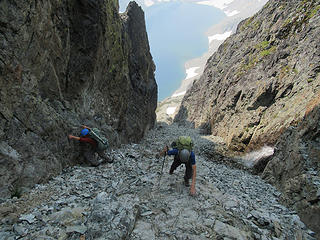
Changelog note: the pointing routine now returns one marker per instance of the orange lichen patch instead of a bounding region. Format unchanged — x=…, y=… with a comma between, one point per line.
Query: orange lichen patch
x=313, y=103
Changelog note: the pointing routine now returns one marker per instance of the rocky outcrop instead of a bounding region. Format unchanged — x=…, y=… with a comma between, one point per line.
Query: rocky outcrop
x=262, y=87
x=295, y=168
x=63, y=64
x=262, y=79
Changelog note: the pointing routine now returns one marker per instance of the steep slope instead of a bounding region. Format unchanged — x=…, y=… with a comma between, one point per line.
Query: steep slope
x=295, y=168
x=262, y=79
x=130, y=199
x=262, y=87
x=63, y=64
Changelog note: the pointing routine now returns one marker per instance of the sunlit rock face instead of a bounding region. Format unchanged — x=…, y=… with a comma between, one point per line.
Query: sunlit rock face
x=63, y=64
x=262, y=88
x=261, y=80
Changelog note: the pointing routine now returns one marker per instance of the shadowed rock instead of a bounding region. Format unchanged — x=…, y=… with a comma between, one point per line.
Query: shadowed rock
x=63, y=64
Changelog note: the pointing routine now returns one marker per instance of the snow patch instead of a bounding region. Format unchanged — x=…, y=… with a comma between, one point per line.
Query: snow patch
x=251, y=158
x=191, y=72
x=221, y=4
x=179, y=94
x=231, y=13
x=222, y=36
x=148, y=3
x=170, y=110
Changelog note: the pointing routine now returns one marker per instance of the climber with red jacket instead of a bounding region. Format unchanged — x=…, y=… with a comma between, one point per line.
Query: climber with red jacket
x=93, y=145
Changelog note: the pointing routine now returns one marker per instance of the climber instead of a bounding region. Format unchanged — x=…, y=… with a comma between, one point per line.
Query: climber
x=183, y=154
x=93, y=146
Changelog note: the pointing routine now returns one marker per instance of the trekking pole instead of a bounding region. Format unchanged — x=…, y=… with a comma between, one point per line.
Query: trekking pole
x=164, y=159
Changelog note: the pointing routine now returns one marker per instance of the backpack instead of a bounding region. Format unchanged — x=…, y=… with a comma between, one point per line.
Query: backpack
x=184, y=145
x=102, y=142
x=184, y=142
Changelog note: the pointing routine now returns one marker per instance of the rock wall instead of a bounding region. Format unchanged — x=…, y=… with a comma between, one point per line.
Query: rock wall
x=262, y=87
x=294, y=169
x=262, y=79
x=63, y=64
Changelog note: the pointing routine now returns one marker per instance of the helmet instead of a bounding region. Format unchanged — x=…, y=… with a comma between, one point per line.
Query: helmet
x=184, y=155
x=84, y=132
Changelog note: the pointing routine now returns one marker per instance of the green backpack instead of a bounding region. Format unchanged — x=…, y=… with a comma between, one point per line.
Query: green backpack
x=100, y=139
x=184, y=142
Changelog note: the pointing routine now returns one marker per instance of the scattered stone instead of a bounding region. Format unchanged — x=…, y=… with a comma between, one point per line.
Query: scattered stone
x=30, y=218
x=123, y=200
x=20, y=230
x=79, y=229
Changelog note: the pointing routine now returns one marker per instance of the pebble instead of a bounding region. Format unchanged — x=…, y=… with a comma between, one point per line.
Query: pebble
x=132, y=199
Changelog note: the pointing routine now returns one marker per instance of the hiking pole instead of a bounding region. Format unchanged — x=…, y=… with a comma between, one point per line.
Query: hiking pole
x=164, y=159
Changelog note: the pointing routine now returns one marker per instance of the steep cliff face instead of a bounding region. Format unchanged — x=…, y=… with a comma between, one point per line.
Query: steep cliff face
x=143, y=98
x=294, y=169
x=262, y=87
x=62, y=64
x=262, y=79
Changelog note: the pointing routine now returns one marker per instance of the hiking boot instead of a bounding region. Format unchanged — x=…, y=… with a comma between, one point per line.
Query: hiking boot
x=109, y=160
x=186, y=183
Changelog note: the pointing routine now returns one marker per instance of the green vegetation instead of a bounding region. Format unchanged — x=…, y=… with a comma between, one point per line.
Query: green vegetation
x=244, y=67
x=112, y=68
x=287, y=70
x=287, y=21
x=250, y=23
x=246, y=24
x=265, y=48
x=310, y=80
x=256, y=25
x=314, y=11
x=225, y=46
x=307, y=10
x=263, y=45
x=267, y=51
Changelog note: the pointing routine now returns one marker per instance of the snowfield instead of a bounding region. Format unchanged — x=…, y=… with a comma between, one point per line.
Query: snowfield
x=220, y=37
